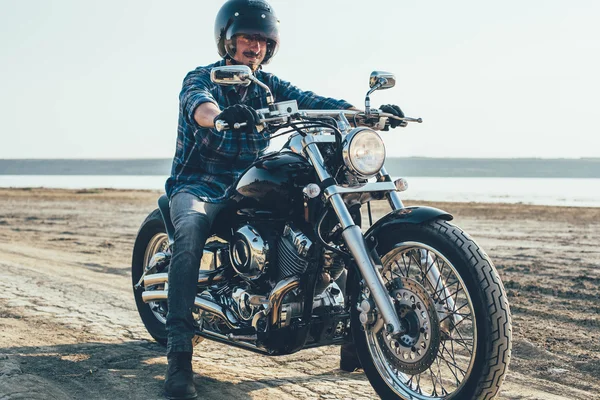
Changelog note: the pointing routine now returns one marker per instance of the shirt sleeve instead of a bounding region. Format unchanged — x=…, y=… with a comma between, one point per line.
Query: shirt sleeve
x=197, y=89
x=284, y=90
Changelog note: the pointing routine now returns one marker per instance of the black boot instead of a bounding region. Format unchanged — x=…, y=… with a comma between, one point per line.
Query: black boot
x=179, y=384
x=348, y=358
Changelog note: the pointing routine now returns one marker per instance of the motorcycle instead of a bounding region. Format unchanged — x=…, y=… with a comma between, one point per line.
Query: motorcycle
x=288, y=266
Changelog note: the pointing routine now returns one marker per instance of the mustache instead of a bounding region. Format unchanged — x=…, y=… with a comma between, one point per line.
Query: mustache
x=251, y=54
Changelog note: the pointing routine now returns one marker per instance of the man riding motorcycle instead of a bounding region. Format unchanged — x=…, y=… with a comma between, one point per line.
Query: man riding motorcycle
x=208, y=162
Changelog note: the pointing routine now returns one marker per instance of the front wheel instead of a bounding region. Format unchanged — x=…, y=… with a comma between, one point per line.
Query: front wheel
x=449, y=297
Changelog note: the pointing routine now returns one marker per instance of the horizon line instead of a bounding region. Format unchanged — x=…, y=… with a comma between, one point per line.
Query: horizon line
x=388, y=157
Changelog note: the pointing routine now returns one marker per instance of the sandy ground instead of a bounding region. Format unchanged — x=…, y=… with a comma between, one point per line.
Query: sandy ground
x=69, y=328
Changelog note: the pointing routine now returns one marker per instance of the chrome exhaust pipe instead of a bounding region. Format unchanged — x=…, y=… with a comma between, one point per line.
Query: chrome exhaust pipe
x=202, y=303
x=155, y=279
x=275, y=299
x=204, y=278
x=277, y=294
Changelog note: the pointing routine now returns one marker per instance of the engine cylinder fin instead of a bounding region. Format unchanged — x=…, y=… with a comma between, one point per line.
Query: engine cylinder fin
x=290, y=262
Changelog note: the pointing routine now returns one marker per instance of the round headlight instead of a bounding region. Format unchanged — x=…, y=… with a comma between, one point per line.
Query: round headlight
x=364, y=152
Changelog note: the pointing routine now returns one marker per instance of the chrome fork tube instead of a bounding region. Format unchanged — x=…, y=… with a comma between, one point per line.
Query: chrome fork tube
x=370, y=273
x=356, y=243
x=393, y=197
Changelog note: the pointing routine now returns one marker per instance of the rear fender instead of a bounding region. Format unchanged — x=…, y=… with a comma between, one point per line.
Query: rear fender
x=408, y=215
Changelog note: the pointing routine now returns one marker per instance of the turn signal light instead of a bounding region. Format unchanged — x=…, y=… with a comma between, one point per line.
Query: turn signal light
x=401, y=184
x=311, y=190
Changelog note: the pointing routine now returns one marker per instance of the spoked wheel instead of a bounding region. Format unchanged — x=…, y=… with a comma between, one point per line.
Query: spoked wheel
x=151, y=244
x=448, y=296
x=159, y=243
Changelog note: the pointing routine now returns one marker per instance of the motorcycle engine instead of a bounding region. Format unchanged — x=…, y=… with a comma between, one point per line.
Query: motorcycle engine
x=251, y=255
x=248, y=252
x=260, y=259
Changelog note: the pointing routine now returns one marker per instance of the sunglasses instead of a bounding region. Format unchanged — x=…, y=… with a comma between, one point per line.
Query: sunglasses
x=247, y=39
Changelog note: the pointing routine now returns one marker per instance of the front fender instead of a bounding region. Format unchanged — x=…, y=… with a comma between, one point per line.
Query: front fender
x=408, y=215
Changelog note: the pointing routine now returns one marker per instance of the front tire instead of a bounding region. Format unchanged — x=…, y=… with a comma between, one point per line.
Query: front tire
x=458, y=343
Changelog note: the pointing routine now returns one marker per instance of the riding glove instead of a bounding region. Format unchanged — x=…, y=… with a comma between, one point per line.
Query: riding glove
x=239, y=113
x=394, y=109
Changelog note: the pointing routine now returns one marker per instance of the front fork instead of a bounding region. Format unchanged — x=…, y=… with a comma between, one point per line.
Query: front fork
x=356, y=244
x=354, y=239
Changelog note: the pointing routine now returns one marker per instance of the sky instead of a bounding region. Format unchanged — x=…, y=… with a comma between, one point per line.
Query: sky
x=515, y=78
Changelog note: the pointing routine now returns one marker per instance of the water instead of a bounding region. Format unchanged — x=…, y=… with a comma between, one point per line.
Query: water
x=581, y=192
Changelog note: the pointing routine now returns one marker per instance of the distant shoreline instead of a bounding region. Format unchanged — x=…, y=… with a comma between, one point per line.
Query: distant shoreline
x=112, y=193
x=409, y=166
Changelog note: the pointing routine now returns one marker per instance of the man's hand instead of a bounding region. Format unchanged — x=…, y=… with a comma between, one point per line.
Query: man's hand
x=239, y=113
x=393, y=109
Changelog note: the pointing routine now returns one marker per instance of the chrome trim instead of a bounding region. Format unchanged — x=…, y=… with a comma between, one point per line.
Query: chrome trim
x=258, y=300
x=366, y=188
x=231, y=336
x=394, y=200
x=278, y=293
x=339, y=206
x=393, y=197
x=250, y=264
x=154, y=295
x=346, y=152
x=240, y=301
x=210, y=260
x=327, y=113
x=308, y=140
x=222, y=338
x=203, y=278
x=356, y=243
x=314, y=155
x=231, y=75
x=370, y=273
x=385, y=80
x=257, y=317
x=200, y=302
x=294, y=144
x=156, y=258
x=342, y=122
x=156, y=279
x=215, y=309
x=300, y=241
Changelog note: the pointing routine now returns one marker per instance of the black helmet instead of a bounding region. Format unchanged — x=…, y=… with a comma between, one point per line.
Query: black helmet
x=250, y=17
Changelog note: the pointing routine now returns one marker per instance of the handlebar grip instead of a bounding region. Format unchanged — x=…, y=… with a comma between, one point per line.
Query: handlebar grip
x=221, y=125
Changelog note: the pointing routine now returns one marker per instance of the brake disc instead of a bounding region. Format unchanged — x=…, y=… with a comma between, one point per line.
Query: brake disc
x=413, y=351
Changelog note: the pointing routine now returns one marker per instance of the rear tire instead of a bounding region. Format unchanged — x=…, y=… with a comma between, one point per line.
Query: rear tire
x=151, y=238
x=152, y=229
x=485, y=365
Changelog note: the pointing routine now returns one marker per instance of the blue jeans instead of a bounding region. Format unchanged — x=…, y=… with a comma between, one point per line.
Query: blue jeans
x=192, y=219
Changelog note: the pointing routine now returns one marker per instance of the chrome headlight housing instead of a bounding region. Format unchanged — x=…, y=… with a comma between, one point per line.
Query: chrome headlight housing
x=363, y=152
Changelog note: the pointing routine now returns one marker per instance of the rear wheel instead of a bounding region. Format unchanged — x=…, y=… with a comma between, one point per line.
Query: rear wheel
x=151, y=240
x=448, y=295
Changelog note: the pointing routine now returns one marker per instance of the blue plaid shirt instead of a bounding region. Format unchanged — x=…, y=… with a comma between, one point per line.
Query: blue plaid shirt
x=207, y=163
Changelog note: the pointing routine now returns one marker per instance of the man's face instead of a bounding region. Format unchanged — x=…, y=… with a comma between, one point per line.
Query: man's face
x=250, y=50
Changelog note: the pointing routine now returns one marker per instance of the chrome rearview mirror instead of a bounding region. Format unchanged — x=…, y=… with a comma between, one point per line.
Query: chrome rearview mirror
x=382, y=80
x=238, y=75
x=231, y=75
x=377, y=81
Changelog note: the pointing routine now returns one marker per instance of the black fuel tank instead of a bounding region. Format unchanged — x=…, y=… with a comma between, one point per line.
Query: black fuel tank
x=274, y=183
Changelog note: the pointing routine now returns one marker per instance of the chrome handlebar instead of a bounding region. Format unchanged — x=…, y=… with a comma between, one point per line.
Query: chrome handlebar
x=221, y=125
